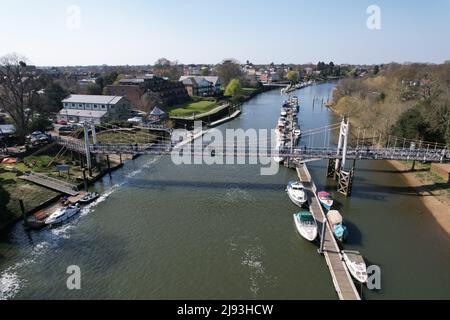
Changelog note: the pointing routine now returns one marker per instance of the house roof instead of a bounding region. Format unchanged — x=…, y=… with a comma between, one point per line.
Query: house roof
x=83, y=98
x=82, y=113
x=157, y=112
x=189, y=81
x=214, y=79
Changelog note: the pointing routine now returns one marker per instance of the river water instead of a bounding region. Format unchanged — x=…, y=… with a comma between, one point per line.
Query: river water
x=162, y=231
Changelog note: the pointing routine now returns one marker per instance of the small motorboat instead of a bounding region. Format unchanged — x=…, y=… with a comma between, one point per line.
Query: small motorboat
x=89, y=197
x=283, y=113
x=297, y=133
x=325, y=199
x=296, y=192
x=306, y=225
x=355, y=264
x=339, y=230
x=62, y=214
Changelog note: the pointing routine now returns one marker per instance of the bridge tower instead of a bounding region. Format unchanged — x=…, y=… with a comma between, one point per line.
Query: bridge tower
x=87, y=148
x=336, y=167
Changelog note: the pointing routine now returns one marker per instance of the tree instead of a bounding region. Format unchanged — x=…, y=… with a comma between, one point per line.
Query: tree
x=234, y=89
x=204, y=72
x=94, y=89
x=166, y=68
x=18, y=93
x=227, y=70
x=376, y=69
x=103, y=81
x=54, y=93
x=292, y=76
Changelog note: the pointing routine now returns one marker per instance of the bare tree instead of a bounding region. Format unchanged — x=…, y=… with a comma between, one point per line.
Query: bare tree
x=18, y=92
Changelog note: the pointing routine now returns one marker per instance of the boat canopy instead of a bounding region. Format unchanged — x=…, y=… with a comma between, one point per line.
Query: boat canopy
x=323, y=194
x=334, y=217
x=306, y=217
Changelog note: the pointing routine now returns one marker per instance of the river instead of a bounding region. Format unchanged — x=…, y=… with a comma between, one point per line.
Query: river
x=162, y=231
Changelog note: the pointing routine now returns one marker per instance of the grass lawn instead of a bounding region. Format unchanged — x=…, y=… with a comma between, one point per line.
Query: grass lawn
x=126, y=137
x=13, y=189
x=190, y=108
x=248, y=90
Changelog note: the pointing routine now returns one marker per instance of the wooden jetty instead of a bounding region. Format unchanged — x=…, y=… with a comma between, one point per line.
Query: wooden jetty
x=342, y=280
x=51, y=183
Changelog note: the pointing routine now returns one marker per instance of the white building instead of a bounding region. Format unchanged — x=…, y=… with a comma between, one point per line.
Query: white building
x=94, y=108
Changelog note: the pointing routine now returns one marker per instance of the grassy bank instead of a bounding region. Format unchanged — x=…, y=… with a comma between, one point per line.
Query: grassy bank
x=13, y=189
x=193, y=107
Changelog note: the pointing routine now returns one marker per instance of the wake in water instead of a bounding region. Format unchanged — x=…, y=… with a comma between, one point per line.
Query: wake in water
x=48, y=239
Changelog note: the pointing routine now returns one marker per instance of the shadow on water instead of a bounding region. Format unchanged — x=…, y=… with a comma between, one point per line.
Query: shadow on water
x=355, y=236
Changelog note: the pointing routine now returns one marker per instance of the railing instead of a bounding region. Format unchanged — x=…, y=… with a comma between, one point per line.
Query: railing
x=297, y=154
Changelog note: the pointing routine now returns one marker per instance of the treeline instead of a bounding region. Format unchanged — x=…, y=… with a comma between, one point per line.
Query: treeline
x=410, y=101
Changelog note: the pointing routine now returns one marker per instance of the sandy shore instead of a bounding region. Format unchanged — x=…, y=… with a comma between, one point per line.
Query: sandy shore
x=439, y=209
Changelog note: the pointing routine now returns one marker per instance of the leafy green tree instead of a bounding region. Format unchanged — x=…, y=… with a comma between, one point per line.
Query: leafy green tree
x=234, y=89
x=411, y=125
x=292, y=76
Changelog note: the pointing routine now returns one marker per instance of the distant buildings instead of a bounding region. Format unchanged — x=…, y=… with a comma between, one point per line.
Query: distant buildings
x=202, y=86
x=98, y=109
x=149, y=92
x=269, y=77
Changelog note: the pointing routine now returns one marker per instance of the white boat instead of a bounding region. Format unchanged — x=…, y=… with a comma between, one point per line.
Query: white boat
x=325, y=199
x=283, y=113
x=355, y=265
x=306, y=225
x=296, y=192
x=297, y=133
x=62, y=214
x=89, y=197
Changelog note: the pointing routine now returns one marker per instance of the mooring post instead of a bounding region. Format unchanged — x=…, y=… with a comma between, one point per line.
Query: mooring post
x=322, y=235
x=120, y=158
x=109, y=165
x=24, y=214
x=85, y=180
x=413, y=165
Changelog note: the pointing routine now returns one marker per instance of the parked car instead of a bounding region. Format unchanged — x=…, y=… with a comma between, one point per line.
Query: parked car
x=62, y=122
x=66, y=128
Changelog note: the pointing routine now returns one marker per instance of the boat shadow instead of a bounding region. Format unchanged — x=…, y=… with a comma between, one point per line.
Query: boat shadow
x=355, y=236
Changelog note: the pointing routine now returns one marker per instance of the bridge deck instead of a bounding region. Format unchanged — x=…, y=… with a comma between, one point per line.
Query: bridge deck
x=51, y=183
x=342, y=279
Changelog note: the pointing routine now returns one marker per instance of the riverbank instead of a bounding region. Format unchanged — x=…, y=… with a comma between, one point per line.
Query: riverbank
x=437, y=204
x=35, y=197
x=436, y=200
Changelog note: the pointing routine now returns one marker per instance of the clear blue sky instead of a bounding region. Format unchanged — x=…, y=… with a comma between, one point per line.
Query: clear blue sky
x=207, y=31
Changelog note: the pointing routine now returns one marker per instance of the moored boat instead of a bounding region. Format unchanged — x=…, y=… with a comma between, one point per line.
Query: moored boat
x=335, y=220
x=355, y=265
x=62, y=214
x=325, y=199
x=89, y=197
x=296, y=192
x=306, y=225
